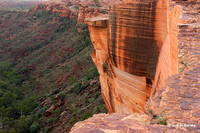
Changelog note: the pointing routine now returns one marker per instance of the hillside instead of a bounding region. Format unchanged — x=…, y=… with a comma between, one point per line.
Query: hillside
x=17, y=5
x=52, y=54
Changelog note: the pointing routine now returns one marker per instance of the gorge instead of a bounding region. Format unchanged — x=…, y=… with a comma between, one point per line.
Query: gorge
x=100, y=66
x=136, y=51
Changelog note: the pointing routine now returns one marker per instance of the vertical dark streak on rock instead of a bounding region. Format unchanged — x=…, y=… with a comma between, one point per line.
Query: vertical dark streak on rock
x=141, y=49
x=108, y=40
x=110, y=95
x=154, y=89
x=113, y=34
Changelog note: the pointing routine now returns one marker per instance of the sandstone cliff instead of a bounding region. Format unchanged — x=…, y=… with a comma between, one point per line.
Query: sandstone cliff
x=133, y=51
x=136, y=50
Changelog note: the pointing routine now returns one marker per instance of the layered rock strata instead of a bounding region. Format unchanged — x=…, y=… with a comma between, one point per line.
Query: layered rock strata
x=135, y=51
x=178, y=100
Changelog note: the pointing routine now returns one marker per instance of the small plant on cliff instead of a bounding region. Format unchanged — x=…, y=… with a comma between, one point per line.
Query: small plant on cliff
x=96, y=1
x=76, y=7
x=161, y=120
x=86, y=115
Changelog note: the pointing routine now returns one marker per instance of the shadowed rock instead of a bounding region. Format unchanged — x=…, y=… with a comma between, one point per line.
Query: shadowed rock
x=126, y=87
x=136, y=44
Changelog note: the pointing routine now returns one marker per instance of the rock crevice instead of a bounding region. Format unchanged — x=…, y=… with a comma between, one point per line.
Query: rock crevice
x=138, y=42
x=138, y=55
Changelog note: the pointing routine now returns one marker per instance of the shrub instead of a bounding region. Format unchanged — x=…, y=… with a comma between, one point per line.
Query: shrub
x=97, y=109
x=73, y=121
x=161, y=120
x=43, y=109
x=12, y=130
x=77, y=88
x=23, y=124
x=97, y=94
x=35, y=127
x=96, y=1
x=46, y=130
x=50, y=121
x=86, y=115
x=92, y=72
x=92, y=99
x=76, y=7
x=57, y=112
x=72, y=80
x=61, y=96
x=56, y=91
x=104, y=109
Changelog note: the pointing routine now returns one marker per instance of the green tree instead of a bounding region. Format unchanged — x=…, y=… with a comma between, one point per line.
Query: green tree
x=23, y=124
x=96, y=1
x=7, y=98
x=35, y=127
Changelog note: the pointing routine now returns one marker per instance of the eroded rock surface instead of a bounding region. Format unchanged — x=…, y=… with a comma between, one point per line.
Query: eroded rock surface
x=122, y=123
x=133, y=51
x=177, y=98
x=55, y=7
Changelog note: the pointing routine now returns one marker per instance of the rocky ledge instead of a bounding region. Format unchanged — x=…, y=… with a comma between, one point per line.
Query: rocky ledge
x=139, y=60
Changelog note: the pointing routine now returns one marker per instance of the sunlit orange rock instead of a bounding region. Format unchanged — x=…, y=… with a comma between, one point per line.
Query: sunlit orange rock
x=173, y=97
x=135, y=51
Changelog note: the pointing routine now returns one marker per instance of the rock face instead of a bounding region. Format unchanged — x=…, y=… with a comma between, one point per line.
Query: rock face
x=121, y=123
x=55, y=8
x=133, y=51
x=122, y=42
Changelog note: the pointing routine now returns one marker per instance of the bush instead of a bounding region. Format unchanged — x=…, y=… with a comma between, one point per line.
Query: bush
x=97, y=109
x=73, y=121
x=35, y=127
x=23, y=124
x=43, y=109
x=50, y=121
x=92, y=72
x=61, y=96
x=161, y=120
x=12, y=130
x=86, y=115
x=56, y=91
x=77, y=88
x=92, y=99
x=57, y=112
x=76, y=7
x=72, y=80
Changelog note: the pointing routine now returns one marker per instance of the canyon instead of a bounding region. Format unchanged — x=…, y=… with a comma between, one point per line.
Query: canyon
x=135, y=51
x=147, y=54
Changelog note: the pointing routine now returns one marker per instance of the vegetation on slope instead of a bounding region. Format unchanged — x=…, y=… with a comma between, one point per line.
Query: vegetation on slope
x=17, y=5
x=51, y=60
x=15, y=104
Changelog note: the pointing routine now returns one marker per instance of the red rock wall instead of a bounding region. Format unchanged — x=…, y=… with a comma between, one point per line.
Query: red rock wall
x=135, y=52
x=178, y=100
x=166, y=36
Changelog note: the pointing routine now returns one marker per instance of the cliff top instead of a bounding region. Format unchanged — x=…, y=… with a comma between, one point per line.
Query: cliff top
x=98, y=18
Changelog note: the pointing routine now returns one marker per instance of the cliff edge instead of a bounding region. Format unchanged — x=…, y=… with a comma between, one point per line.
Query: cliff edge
x=139, y=49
